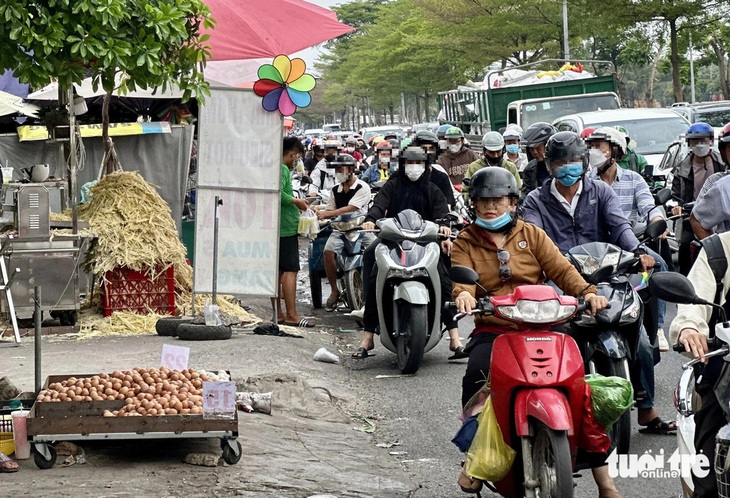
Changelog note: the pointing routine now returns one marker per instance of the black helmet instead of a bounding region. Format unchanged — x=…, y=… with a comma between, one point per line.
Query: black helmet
x=413, y=153
x=426, y=137
x=566, y=146
x=537, y=133
x=343, y=160
x=493, y=181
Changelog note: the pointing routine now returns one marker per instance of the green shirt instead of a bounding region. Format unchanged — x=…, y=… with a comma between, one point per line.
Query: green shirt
x=479, y=164
x=633, y=161
x=289, y=216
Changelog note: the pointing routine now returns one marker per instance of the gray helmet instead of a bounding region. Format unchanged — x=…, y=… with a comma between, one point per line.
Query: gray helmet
x=343, y=160
x=493, y=181
x=493, y=141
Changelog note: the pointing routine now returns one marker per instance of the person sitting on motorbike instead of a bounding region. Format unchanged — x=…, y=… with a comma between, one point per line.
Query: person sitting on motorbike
x=379, y=170
x=689, y=177
x=573, y=210
x=410, y=188
x=607, y=146
x=512, y=136
x=493, y=152
x=351, y=148
x=632, y=160
x=317, y=155
x=691, y=328
x=348, y=196
x=533, y=141
x=457, y=158
x=429, y=143
x=706, y=218
x=506, y=252
x=323, y=175
x=441, y=135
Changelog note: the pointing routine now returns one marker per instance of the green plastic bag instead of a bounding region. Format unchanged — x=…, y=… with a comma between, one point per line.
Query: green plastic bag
x=489, y=458
x=610, y=397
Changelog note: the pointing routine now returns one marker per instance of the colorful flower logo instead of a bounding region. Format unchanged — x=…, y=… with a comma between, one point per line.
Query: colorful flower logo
x=284, y=86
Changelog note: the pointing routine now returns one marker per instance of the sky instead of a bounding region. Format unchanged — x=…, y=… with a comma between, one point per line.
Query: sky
x=310, y=55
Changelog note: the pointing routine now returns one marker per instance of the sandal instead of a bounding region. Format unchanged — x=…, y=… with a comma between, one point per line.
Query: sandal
x=303, y=323
x=458, y=354
x=660, y=427
x=469, y=484
x=7, y=464
x=362, y=353
x=331, y=304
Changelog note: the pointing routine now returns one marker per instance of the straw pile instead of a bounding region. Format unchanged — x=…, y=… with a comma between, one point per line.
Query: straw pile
x=118, y=323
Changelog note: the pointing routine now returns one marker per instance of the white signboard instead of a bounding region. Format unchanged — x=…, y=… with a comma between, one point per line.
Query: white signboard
x=219, y=399
x=174, y=357
x=239, y=160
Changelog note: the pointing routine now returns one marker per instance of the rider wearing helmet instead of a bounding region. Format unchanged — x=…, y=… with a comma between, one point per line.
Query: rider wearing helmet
x=533, y=141
x=409, y=188
x=493, y=151
x=457, y=158
x=512, y=136
x=441, y=135
x=574, y=209
x=379, y=169
x=712, y=209
x=428, y=142
x=317, y=155
x=689, y=177
x=323, y=175
x=506, y=252
x=632, y=160
x=351, y=147
x=349, y=196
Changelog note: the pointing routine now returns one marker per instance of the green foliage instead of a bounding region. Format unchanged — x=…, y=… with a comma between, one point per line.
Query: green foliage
x=151, y=44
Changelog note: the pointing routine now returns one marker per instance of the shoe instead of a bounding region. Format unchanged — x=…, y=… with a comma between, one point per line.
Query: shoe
x=358, y=314
x=663, y=343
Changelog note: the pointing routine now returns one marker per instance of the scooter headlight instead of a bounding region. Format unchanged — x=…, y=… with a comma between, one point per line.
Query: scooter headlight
x=631, y=313
x=550, y=311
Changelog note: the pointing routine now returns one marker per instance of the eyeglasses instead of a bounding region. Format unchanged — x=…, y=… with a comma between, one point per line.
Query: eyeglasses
x=505, y=272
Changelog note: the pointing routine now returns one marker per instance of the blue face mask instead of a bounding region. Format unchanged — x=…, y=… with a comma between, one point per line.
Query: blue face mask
x=495, y=224
x=513, y=149
x=568, y=174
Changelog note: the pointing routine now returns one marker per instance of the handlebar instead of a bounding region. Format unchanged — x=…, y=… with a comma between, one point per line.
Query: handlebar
x=719, y=349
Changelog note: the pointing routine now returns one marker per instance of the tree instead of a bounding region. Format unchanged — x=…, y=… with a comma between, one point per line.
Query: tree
x=149, y=44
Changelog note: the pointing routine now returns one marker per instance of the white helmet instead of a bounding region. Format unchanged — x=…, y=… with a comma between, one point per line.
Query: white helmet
x=493, y=141
x=513, y=132
x=615, y=138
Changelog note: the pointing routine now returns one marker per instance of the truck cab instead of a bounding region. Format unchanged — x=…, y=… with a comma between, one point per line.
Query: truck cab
x=529, y=111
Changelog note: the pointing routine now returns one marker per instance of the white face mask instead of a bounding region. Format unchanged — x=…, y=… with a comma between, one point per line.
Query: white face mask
x=415, y=171
x=383, y=160
x=454, y=148
x=350, y=150
x=342, y=177
x=596, y=158
x=701, y=150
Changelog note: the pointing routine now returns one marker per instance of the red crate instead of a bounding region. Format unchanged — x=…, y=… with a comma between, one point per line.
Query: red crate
x=129, y=290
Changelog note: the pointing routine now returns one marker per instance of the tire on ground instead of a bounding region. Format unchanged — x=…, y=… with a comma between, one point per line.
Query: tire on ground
x=191, y=332
x=167, y=327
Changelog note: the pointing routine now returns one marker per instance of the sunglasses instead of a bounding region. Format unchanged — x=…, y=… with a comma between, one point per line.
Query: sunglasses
x=505, y=272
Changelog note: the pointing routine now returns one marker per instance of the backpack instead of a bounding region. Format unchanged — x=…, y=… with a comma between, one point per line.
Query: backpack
x=717, y=260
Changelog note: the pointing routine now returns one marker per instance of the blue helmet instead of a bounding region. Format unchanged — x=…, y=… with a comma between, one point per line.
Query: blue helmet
x=441, y=131
x=700, y=131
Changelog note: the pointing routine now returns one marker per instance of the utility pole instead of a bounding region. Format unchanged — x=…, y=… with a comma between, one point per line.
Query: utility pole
x=691, y=68
x=566, y=48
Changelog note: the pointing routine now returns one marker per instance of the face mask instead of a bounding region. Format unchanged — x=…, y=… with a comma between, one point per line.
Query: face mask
x=568, y=174
x=701, y=150
x=596, y=158
x=342, y=177
x=383, y=160
x=495, y=224
x=350, y=150
x=443, y=144
x=415, y=171
x=493, y=161
x=454, y=148
x=513, y=149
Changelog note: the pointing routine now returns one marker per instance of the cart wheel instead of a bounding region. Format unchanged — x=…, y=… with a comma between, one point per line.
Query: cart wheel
x=232, y=451
x=40, y=458
x=68, y=318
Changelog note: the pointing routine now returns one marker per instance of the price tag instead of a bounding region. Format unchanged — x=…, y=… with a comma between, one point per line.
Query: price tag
x=175, y=357
x=219, y=399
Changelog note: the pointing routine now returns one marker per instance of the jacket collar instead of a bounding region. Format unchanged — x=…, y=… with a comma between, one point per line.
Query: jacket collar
x=476, y=235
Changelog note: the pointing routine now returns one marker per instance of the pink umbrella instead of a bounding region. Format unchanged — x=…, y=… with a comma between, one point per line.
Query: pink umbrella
x=250, y=29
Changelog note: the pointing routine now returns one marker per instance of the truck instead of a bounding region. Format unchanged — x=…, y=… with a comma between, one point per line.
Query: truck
x=477, y=111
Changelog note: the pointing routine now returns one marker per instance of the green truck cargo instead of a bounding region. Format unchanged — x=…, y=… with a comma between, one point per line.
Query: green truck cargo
x=479, y=111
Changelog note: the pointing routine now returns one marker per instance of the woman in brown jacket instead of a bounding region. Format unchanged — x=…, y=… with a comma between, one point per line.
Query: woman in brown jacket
x=507, y=253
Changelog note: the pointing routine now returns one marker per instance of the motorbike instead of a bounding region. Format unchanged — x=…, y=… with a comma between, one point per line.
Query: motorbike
x=537, y=387
x=609, y=340
x=676, y=288
x=349, y=261
x=408, y=287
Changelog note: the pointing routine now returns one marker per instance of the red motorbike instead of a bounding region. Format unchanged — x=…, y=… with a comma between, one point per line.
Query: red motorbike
x=537, y=386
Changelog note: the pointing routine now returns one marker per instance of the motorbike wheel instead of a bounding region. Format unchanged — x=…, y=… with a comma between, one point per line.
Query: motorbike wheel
x=354, y=290
x=552, y=468
x=620, y=432
x=411, y=340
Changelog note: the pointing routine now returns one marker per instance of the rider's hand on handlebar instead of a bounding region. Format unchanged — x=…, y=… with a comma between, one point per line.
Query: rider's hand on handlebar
x=445, y=231
x=676, y=210
x=368, y=225
x=694, y=343
x=647, y=261
x=596, y=302
x=465, y=302
x=446, y=246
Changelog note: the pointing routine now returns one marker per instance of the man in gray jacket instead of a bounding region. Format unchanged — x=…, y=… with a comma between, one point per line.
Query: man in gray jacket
x=575, y=210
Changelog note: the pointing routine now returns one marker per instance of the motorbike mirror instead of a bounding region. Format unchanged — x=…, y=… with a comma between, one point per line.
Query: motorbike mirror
x=655, y=229
x=663, y=196
x=463, y=275
x=674, y=287
x=305, y=180
x=466, y=181
x=649, y=172
x=600, y=275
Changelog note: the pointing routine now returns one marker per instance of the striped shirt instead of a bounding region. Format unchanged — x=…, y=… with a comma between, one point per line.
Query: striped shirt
x=637, y=202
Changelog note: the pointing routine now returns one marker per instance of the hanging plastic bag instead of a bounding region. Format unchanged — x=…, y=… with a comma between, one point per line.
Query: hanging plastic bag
x=610, y=397
x=308, y=224
x=489, y=458
x=593, y=436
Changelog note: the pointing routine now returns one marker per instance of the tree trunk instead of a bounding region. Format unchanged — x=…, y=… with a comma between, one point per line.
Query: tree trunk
x=392, y=119
x=425, y=105
x=418, y=108
x=722, y=65
x=676, y=61
x=652, y=74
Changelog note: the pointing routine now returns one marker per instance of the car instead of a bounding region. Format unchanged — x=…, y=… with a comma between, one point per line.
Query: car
x=716, y=114
x=331, y=128
x=653, y=130
x=314, y=133
x=432, y=127
x=377, y=131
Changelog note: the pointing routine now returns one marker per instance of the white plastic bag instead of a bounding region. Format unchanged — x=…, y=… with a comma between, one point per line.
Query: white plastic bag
x=211, y=314
x=308, y=224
